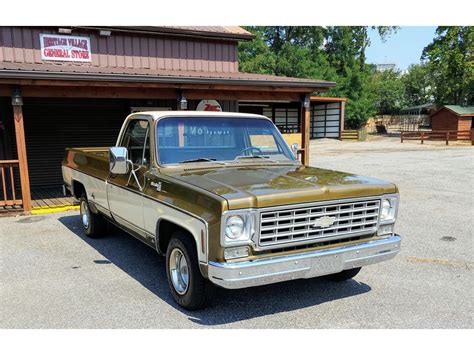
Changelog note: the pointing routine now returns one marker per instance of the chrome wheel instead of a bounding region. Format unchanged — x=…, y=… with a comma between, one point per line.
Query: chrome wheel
x=85, y=215
x=179, y=271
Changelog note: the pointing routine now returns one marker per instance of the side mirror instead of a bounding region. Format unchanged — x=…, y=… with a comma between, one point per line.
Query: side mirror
x=294, y=149
x=118, y=160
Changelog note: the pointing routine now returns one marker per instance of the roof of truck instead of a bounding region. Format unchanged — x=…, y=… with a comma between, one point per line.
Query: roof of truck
x=159, y=114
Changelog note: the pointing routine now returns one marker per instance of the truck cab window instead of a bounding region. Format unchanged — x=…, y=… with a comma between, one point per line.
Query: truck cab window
x=137, y=140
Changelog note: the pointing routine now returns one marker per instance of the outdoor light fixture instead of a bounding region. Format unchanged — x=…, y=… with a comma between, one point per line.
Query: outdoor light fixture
x=183, y=103
x=105, y=33
x=65, y=30
x=307, y=101
x=17, y=99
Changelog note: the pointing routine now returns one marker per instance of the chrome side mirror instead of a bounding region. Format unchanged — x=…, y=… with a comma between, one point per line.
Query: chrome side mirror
x=294, y=149
x=118, y=160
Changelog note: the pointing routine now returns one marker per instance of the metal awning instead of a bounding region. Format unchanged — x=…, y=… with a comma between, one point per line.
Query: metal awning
x=92, y=73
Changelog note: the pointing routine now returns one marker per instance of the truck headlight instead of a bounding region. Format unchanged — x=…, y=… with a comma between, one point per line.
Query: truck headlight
x=234, y=227
x=238, y=227
x=388, y=209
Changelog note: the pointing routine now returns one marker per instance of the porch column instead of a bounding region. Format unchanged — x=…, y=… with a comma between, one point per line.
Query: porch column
x=341, y=122
x=305, y=128
x=17, y=103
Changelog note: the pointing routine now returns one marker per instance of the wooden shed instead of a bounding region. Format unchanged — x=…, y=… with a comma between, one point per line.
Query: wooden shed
x=452, y=118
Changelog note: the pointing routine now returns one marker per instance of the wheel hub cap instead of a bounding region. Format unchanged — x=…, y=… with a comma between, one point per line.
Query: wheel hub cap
x=179, y=271
x=85, y=215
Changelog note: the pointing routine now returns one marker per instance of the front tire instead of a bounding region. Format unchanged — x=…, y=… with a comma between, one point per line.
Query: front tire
x=343, y=275
x=93, y=225
x=188, y=287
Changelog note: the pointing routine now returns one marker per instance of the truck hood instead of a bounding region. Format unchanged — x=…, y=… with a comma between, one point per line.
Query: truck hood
x=264, y=186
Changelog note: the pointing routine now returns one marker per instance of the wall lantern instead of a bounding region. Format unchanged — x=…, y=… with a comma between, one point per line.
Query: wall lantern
x=105, y=33
x=183, y=103
x=17, y=99
x=307, y=101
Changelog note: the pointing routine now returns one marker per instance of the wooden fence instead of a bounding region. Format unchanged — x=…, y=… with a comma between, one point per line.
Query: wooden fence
x=438, y=136
x=354, y=135
x=9, y=192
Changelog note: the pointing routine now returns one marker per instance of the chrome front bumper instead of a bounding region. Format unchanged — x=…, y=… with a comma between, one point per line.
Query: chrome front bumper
x=302, y=265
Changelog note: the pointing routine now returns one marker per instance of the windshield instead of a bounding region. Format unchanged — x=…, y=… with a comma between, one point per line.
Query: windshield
x=201, y=139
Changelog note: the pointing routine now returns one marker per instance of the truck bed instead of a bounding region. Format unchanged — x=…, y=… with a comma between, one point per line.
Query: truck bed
x=90, y=161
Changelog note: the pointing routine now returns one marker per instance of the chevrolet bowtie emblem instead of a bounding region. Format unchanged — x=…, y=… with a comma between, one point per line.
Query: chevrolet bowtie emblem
x=324, y=222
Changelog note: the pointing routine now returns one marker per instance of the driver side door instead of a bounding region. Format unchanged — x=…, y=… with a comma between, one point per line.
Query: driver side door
x=125, y=191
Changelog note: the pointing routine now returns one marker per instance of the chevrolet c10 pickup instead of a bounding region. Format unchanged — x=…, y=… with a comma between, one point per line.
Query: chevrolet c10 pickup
x=225, y=199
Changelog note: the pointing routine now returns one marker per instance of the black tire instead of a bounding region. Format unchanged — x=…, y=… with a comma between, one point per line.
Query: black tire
x=199, y=291
x=343, y=275
x=96, y=225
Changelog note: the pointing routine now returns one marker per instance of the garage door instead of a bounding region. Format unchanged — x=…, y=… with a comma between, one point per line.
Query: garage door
x=51, y=125
x=285, y=118
x=325, y=120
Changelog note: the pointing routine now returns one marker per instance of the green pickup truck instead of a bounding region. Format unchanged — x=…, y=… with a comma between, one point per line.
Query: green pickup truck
x=224, y=198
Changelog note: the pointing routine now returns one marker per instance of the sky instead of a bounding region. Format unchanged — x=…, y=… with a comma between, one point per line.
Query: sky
x=403, y=48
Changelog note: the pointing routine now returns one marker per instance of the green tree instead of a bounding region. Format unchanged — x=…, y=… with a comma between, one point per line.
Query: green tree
x=330, y=53
x=450, y=62
x=418, y=88
x=345, y=48
x=389, y=91
x=285, y=51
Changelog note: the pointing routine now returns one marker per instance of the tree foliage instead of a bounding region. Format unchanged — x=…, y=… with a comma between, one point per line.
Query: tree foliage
x=329, y=53
x=390, y=92
x=450, y=64
x=417, y=85
x=337, y=54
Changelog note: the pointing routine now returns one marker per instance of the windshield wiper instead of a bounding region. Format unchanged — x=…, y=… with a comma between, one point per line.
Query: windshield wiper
x=266, y=157
x=252, y=157
x=197, y=160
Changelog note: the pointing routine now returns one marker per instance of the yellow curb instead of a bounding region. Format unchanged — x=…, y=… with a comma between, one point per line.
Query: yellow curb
x=42, y=210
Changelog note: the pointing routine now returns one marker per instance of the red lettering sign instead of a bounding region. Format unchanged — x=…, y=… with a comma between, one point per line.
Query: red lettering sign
x=65, y=48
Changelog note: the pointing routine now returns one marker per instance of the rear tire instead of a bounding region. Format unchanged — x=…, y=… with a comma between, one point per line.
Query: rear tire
x=188, y=287
x=93, y=224
x=343, y=275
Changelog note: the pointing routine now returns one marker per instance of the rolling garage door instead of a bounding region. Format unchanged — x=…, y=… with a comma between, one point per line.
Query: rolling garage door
x=51, y=125
x=325, y=120
x=287, y=119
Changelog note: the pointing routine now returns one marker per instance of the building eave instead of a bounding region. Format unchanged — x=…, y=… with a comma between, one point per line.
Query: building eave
x=38, y=75
x=170, y=31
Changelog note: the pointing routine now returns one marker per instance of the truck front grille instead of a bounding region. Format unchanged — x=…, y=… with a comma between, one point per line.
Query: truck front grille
x=301, y=225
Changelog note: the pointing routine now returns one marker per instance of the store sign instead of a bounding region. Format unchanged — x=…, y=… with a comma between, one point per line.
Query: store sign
x=65, y=48
x=209, y=105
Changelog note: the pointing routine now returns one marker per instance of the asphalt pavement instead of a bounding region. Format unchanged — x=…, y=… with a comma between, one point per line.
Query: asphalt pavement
x=52, y=276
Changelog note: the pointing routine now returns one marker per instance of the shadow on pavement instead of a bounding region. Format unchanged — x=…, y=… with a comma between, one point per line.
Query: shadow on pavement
x=228, y=306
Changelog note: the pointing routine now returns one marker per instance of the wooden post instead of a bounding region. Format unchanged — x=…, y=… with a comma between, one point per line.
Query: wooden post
x=341, y=121
x=447, y=138
x=305, y=127
x=23, y=162
x=472, y=136
x=422, y=137
x=401, y=137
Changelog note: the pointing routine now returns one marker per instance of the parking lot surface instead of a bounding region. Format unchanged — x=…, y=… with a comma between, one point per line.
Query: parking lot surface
x=52, y=276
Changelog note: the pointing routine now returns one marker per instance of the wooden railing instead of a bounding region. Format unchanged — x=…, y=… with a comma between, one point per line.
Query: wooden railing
x=350, y=135
x=9, y=193
x=438, y=136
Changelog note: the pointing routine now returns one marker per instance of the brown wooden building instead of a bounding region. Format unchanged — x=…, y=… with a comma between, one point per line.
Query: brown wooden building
x=73, y=86
x=452, y=118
